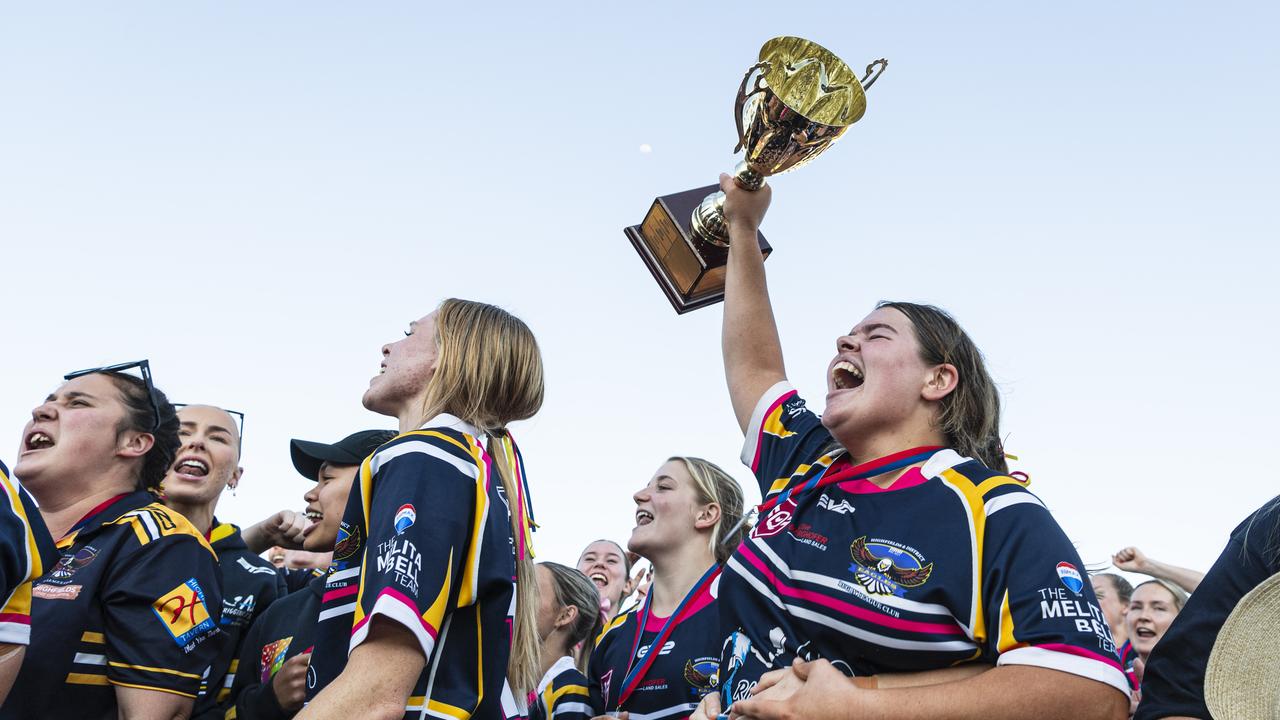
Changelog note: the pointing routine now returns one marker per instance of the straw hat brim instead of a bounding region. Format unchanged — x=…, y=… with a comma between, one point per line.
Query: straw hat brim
x=1242, y=681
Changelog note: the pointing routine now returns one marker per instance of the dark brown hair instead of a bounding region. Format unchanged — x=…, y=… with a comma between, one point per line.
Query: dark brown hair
x=970, y=414
x=139, y=417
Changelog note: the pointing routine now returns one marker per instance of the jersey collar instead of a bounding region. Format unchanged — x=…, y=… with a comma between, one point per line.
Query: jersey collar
x=564, y=663
x=225, y=535
x=942, y=461
x=453, y=422
x=105, y=513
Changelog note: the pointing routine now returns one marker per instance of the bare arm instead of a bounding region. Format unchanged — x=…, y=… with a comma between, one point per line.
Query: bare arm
x=285, y=528
x=1011, y=692
x=139, y=704
x=749, y=338
x=1131, y=559
x=377, y=681
x=10, y=663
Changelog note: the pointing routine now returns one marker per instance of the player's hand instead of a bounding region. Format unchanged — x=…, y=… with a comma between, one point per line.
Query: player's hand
x=708, y=709
x=290, y=683
x=286, y=528
x=744, y=209
x=782, y=683
x=1131, y=559
x=825, y=692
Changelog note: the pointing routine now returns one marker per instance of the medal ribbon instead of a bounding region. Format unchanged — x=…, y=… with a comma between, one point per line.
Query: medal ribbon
x=635, y=673
x=869, y=469
x=525, y=524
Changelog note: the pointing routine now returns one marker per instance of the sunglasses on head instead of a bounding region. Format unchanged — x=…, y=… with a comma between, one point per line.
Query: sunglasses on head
x=236, y=414
x=144, y=368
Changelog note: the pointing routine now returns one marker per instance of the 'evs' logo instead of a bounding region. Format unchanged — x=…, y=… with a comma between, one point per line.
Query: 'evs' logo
x=183, y=612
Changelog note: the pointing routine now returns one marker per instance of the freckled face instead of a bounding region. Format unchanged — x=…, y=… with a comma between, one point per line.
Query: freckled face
x=407, y=367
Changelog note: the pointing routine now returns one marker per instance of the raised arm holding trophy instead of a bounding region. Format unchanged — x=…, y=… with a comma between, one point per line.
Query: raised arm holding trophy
x=792, y=105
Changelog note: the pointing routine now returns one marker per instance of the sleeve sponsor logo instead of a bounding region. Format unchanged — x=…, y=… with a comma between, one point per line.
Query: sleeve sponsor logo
x=273, y=658
x=254, y=569
x=405, y=517
x=183, y=612
x=884, y=567
x=56, y=592
x=348, y=544
x=1070, y=577
x=401, y=559
x=1056, y=604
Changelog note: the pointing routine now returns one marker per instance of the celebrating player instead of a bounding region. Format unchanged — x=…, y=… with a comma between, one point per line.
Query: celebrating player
x=891, y=539
x=26, y=552
x=609, y=567
x=568, y=613
x=126, y=623
x=208, y=463
x=440, y=521
x=660, y=658
x=270, y=684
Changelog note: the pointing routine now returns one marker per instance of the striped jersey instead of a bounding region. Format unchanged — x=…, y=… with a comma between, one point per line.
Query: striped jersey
x=951, y=563
x=26, y=553
x=249, y=585
x=426, y=542
x=562, y=694
x=133, y=601
x=684, y=672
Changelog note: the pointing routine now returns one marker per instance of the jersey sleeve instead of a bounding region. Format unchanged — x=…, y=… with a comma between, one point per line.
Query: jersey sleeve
x=783, y=438
x=602, y=678
x=427, y=507
x=567, y=698
x=252, y=696
x=26, y=552
x=1036, y=603
x=161, y=607
x=1173, y=683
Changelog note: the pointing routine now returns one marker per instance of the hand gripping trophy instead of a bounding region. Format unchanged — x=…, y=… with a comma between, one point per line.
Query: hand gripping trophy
x=792, y=106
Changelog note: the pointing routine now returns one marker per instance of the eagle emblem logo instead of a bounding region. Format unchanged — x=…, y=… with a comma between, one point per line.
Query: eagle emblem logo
x=885, y=569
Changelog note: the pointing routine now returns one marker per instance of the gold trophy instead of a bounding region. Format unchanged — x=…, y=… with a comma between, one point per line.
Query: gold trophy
x=791, y=106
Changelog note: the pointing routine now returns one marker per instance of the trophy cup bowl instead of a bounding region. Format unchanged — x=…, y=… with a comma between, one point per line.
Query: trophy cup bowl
x=791, y=106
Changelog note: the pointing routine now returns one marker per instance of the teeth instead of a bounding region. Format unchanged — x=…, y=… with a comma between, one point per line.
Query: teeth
x=194, y=464
x=642, y=516
x=599, y=578
x=39, y=440
x=313, y=515
x=838, y=374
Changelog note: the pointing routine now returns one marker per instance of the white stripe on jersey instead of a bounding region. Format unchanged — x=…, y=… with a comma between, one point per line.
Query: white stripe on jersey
x=15, y=633
x=336, y=611
x=342, y=575
x=997, y=504
x=892, y=601
x=149, y=522
x=866, y=635
x=1074, y=664
x=393, y=609
x=752, y=438
x=87, y=659
x=685, y=709
x=388, y=454
x=576, y=708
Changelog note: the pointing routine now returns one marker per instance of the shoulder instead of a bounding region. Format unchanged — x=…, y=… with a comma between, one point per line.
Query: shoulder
x=979, y=483
x=570, y=678
x=158, y=525
x=611, y=627
x=428, y=447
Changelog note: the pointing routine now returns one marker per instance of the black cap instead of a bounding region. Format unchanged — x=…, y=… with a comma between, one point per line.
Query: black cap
x=308, y=456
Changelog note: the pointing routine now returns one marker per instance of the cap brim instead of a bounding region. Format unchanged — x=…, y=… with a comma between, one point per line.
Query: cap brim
x=308, y=456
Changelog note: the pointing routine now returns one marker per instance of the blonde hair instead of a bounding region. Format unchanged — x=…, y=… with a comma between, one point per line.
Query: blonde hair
x=1179, y=595
x=572, y=588
x=489, y=374
x=714, y=485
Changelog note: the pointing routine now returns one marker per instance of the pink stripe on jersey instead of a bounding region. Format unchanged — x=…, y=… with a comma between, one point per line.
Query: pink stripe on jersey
x=351, y=589
x=403, y=600
x=755, y=462
x=17, y=618
x=1073, y=650
x=846, y=608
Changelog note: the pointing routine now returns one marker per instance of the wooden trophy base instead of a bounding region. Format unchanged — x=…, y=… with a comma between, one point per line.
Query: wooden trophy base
x=688, y=269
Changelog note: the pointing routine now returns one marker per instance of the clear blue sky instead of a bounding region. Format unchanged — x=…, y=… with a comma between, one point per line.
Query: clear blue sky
x=257, y=195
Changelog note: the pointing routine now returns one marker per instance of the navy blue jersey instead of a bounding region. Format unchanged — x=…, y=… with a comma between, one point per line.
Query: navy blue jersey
x=951, y=563
x=249, y=585
x=684, y=672
x=286, y=629
x=562, y=694
x=26, y=552
x=1173, y=682
x=426, y=542
x=134, y=601
x=295, y=579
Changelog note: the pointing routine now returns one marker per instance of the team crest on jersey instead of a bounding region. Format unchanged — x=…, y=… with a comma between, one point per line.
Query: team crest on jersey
x=405, y=517
x=67, y=565
x=183, y=612
x=700, y=673
x=1070, y=577
x=776, y=521
x=347, y=544
x=884, y=567
x=273, y=658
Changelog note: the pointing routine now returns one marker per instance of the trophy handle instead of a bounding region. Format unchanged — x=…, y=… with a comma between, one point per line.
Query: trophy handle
x=742, y=100
x=882, y=63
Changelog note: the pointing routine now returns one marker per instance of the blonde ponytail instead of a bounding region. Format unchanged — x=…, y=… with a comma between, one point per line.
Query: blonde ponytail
x=523, y=663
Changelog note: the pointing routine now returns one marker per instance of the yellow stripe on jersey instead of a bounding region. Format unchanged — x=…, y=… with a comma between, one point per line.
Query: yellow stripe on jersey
x=223, y=531
x=154, y=521
x=977, y=513
x=93, y=637
x=19, y=602
x=434, y=616
x=144, y=668
x=773, y=424
x=781, y=483
x=149, y=687
x=471, y=570
x=86, y=679
x=614, y=623
x=1007, y=640
x=550, y=698
x=479, y=681
x=435, y=706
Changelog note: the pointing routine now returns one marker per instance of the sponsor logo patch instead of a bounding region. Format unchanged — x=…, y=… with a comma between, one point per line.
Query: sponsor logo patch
x=839, y=507
x=1070, y=577
x=183, y=612
x=273, y=658
x=806, y=535
x=776, y=521
x=348, y=543
x=56, y=592
x=885, y=567
x=405, y=517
